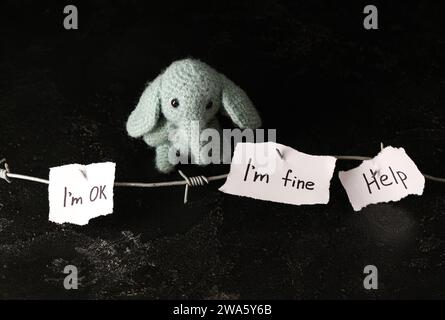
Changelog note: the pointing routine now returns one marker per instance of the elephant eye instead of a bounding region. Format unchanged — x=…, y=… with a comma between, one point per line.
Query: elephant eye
x=175, y=103
x=209, y=105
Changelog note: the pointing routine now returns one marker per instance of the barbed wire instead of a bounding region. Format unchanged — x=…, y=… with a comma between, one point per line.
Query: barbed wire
x=189, y=182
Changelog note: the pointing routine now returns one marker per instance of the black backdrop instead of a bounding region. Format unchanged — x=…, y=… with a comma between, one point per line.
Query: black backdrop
x=327, y=85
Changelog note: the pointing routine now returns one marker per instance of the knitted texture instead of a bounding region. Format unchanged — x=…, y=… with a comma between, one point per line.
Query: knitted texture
x=189, y=93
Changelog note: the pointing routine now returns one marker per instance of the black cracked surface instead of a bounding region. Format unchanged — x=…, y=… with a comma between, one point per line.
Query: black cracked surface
x=326, y=84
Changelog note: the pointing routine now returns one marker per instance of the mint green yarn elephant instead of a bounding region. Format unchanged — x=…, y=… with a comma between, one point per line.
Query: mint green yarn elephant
x=187, y=92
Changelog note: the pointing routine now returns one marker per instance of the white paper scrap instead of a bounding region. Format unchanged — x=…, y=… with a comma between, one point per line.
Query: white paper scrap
x=259, y=171
x=78, y=193
x=390, y=176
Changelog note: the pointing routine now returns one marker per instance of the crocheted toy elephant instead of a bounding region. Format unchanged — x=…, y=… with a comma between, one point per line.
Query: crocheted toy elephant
x=187, y=93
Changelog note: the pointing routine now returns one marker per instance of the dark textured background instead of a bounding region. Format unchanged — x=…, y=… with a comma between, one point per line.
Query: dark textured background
x=315, y=74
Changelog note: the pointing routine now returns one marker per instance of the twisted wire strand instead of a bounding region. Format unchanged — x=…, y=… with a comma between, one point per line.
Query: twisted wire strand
x=189, y=182
x=192, y=182
x=4, y=172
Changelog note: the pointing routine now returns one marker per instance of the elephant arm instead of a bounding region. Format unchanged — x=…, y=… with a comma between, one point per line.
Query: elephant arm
x=158, y=135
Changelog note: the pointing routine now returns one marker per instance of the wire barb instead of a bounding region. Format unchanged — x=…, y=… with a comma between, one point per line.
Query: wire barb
x=192, y=182
x=4, y=171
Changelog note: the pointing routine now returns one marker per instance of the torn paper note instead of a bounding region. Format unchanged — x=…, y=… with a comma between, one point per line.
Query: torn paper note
x=78, y=193
x=259, y=171
x=390, y=176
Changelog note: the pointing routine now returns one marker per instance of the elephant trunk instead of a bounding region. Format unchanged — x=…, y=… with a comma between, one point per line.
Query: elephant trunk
x=188, y=138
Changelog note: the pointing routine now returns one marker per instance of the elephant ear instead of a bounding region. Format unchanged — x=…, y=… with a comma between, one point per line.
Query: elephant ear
x=237, y=105
x=145, y=116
